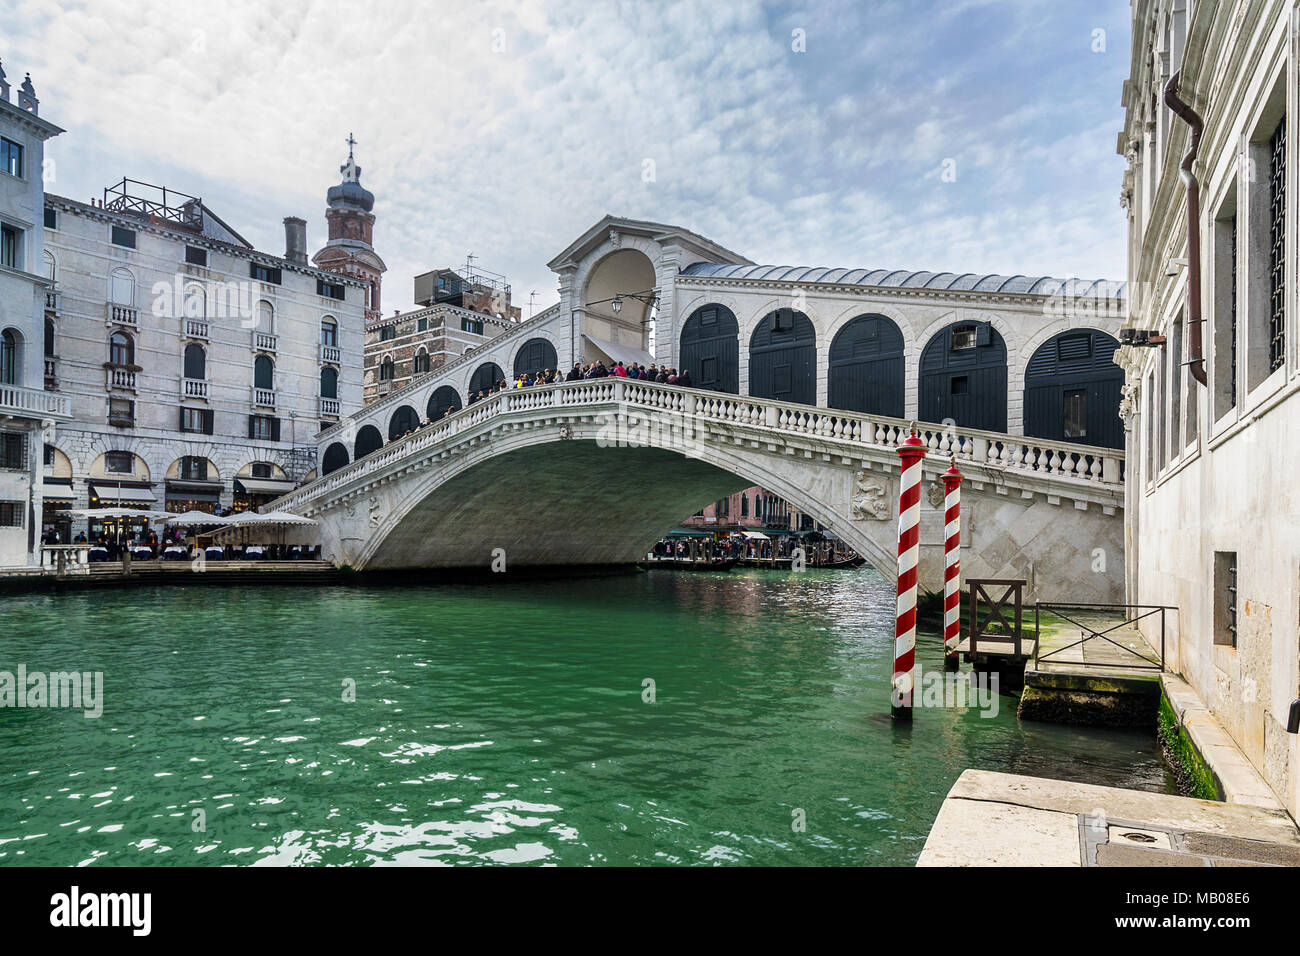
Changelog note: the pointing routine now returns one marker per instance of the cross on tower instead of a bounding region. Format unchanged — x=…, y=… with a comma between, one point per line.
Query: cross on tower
x=351, y=142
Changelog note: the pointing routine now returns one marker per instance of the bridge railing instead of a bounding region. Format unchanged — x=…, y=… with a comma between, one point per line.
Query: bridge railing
x=999, y=452
x=398, y=397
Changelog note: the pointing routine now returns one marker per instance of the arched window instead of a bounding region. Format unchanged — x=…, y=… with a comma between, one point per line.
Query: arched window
x=49, y=266
x=535, y=355
x=329, y=382
x=421, y=363
x=1072, y=390
x=122, y=287
x=484, y=379
x=329, y=332
x=386, y=370
x=336, y=456
x=443, y=400
x=265, y=317
x=711, y=348
x=964, y=377
x=404, y=420
x=368, y=440
x=10, y=342
x=121, y=350
x=49, y=338
x=866, y=367
x=263, y=372
x=196, y=362
x=783, y=358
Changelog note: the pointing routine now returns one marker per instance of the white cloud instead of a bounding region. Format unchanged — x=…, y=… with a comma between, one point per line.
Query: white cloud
x=822, y=157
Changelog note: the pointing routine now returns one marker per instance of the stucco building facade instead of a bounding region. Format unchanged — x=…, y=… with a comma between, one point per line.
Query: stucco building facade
x=1211, y=406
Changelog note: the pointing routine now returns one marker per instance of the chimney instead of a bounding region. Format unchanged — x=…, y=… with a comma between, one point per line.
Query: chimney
x=295, y=240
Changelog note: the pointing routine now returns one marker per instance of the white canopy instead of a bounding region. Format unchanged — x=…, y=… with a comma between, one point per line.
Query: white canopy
x=620, y=353
x=119, y=512
x=190, y=519
x=249, y=519
x=755, y=534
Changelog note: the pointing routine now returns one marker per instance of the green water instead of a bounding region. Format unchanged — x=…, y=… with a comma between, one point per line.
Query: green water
x=498, y=723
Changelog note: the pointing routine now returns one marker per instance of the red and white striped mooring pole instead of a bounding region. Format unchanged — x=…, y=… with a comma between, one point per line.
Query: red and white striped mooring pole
x=951, y=565
x=911, y=453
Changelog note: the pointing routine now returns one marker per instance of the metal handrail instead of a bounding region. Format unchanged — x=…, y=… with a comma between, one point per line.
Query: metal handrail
x=1147, y=611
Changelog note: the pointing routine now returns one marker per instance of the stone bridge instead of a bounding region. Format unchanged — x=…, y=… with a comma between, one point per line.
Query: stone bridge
x=593, y=472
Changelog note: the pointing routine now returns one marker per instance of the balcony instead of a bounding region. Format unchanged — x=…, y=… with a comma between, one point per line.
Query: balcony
x=121, y=418
x=119, y=378
x=194, y=388
x=329, y=408
x=51, y=300
x=123, y=315
x=331, y=355
x=196, y=329
x=33, y=403
x=263, y=397
x=51, y=373
x=262, y=342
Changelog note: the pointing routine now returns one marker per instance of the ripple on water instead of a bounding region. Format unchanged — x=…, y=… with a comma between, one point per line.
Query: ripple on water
x=500, y=724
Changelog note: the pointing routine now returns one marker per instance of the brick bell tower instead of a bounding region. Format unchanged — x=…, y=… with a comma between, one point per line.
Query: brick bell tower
x=350, y=249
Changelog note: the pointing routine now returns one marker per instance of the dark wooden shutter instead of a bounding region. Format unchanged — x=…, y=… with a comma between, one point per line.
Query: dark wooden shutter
x=208, y=416
x=252, y=419
x=275, y=429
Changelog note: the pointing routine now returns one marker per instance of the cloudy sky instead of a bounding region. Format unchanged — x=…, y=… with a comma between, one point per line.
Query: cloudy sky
x=962, y=135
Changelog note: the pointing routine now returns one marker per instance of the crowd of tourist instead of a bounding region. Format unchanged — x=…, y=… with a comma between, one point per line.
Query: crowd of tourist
x=632, y=370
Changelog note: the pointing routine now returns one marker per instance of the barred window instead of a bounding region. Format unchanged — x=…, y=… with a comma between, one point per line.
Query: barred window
x=13, y=451
x=11, y=514
x=1232, y=314
x=1277, y=243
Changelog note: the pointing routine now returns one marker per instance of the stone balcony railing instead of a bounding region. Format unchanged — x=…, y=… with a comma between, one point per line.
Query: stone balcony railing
x=329, y=407
x=331, y=355
x=196, y=329
x=264, y=397
x=194, y=388
x=123, y=315
x=51, y=371
x=263, y=342
x=119, y=378
x=1000, y=458
x=52, y=300
x=33, y=403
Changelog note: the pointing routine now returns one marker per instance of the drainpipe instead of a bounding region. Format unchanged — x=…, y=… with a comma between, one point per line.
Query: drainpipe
x=1196, y=356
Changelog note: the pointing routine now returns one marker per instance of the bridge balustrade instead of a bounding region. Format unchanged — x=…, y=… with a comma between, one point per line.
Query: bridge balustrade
x=1011, y=454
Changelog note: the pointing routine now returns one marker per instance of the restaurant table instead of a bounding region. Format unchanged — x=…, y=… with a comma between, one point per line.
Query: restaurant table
x=175, y=553
x=98, y=554
x=252, y=552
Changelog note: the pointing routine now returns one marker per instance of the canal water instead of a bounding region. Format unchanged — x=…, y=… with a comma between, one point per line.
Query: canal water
x=501, y=722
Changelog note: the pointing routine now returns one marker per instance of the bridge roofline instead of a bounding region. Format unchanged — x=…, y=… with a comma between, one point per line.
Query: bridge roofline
x=657, y=231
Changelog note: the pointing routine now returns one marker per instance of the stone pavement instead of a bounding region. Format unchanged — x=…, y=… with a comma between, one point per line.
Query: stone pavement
x=1000, y=819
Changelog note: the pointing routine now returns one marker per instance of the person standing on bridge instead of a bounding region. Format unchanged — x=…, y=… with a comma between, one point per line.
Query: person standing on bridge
x=575, y=373
x=684, y=379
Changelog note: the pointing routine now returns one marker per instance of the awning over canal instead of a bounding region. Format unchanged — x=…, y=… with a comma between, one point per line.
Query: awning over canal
x=264, y=486
x=57, y=489
x=688, y=533
x=755, y=534
x=112, y=494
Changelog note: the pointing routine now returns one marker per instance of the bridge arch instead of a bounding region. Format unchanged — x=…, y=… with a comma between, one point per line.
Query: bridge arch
x=866, y=366
x=456, y=514
x=368, y=439
x=783, y=358
x=484, y=379
x=535, y=355
x=1072, y=389
x=335, y=457
x=444, y=398
x=963, y=377
x=405, y=419
x=710, y=348
x=627, y=323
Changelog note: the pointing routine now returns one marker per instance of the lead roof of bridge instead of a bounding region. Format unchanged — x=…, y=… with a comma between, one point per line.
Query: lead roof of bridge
x=902, y=278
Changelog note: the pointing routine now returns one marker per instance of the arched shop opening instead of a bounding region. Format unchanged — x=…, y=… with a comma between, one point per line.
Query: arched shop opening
x=866, y=367
x=964, y=377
